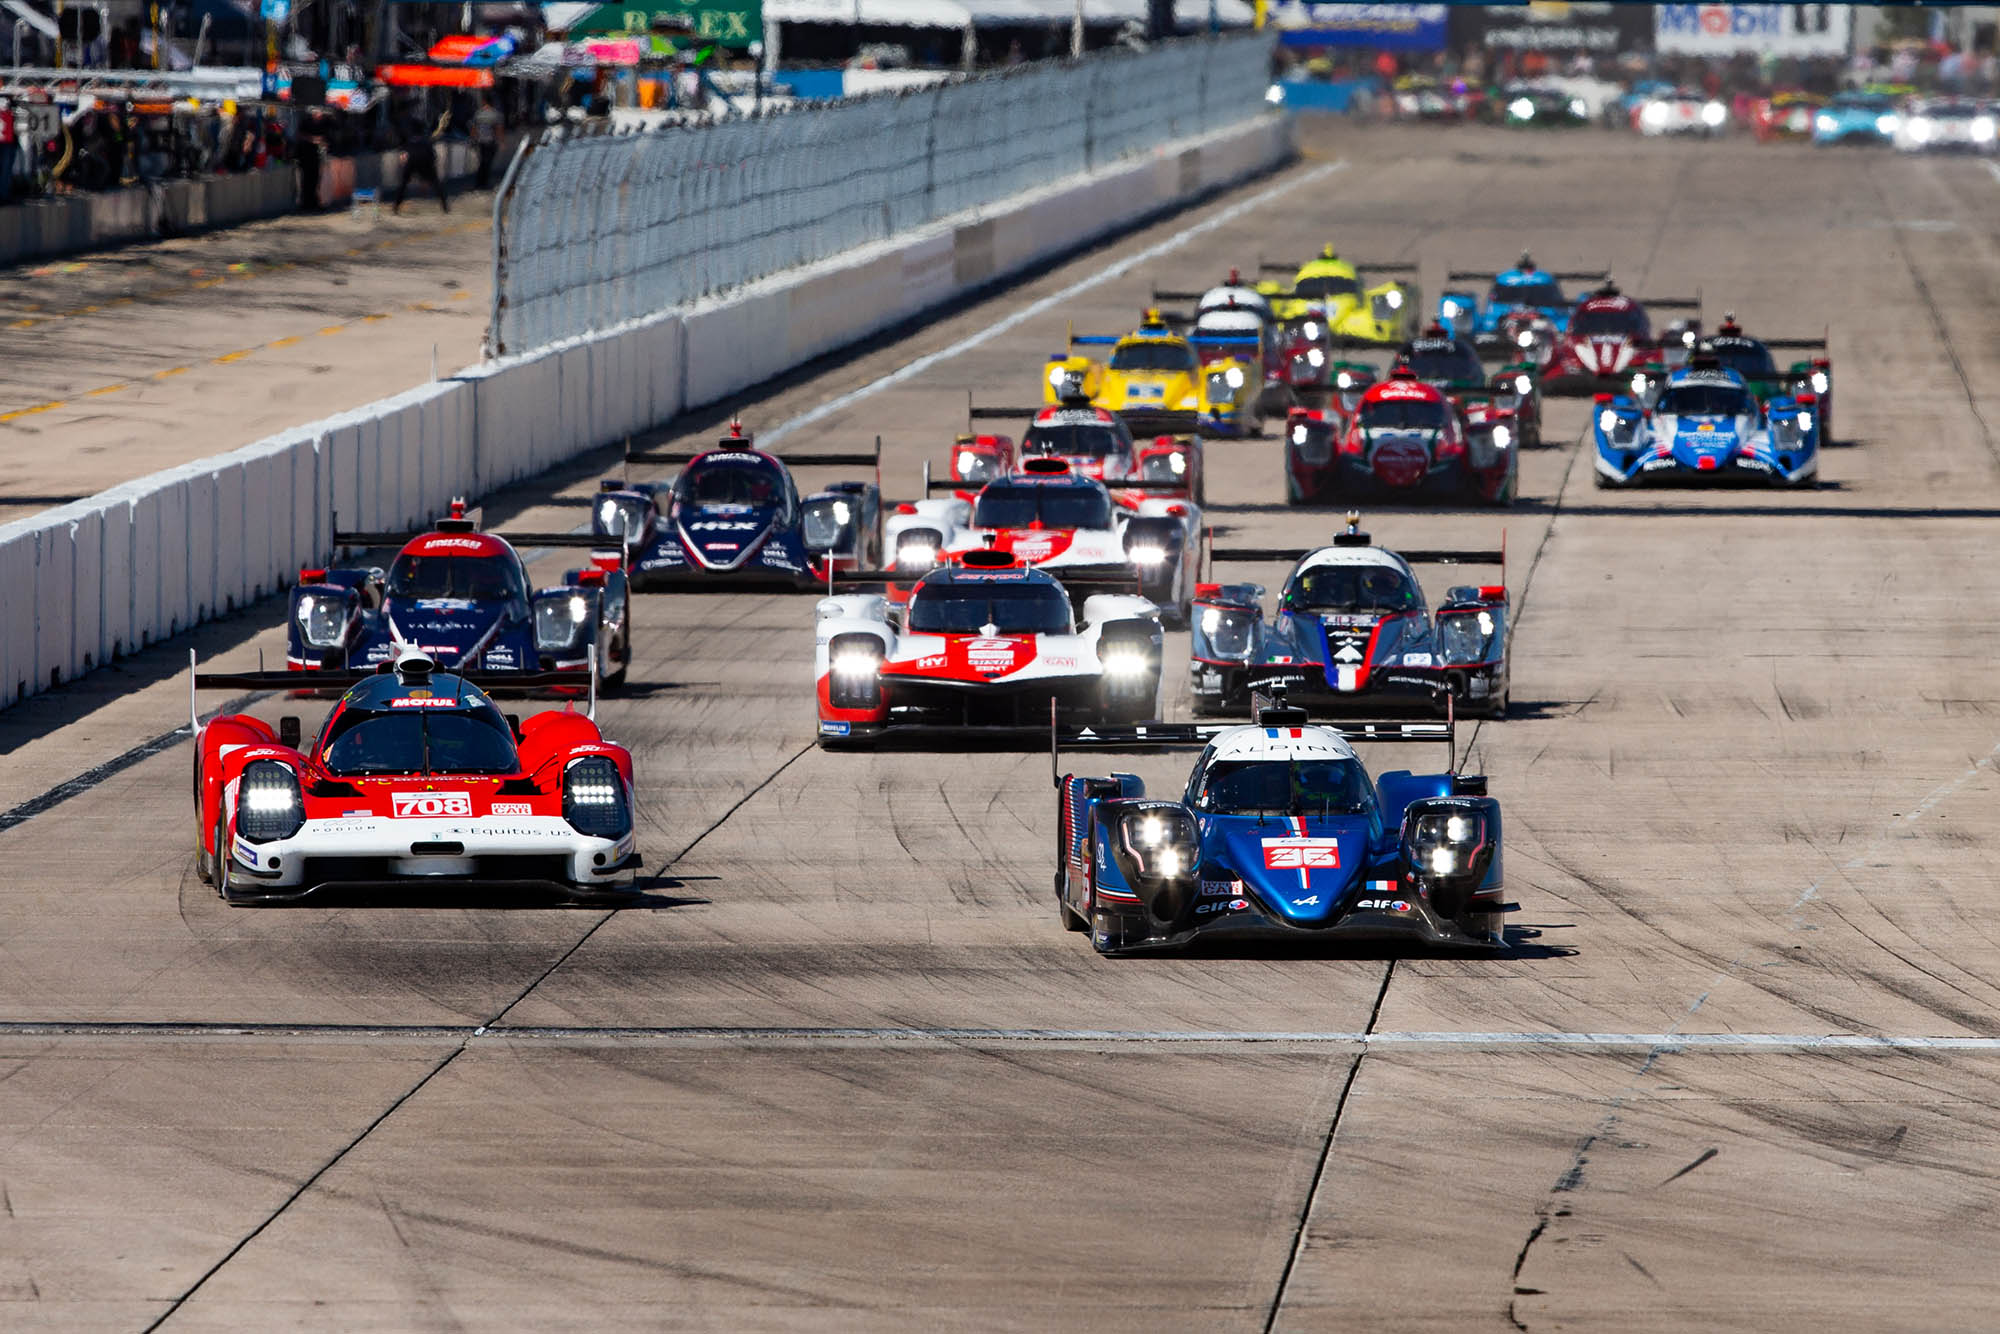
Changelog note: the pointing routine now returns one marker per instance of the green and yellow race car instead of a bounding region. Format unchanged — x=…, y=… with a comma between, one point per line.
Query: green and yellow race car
x=1162, y=382
x=1331, y=291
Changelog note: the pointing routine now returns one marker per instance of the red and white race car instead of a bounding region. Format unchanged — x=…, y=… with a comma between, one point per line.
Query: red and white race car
x=988, y=642
x=1094, y=442
x=1127, y=531
x=1610, y=339
x=415, y=776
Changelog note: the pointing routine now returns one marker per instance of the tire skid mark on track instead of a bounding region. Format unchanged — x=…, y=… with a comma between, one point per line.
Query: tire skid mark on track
x=111, y=768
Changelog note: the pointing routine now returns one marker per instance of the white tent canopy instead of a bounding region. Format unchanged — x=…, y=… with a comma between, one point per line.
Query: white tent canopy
x=874, y=13
x=986, y=13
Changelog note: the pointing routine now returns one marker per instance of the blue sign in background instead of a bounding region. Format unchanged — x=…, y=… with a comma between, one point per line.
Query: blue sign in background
x=1389, y=27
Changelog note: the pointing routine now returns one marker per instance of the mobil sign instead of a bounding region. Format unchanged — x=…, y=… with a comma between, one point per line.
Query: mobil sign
x=1727, y=30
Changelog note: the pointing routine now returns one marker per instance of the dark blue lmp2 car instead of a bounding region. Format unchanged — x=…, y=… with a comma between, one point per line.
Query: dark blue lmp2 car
x=733, y=518
x=1280, y=836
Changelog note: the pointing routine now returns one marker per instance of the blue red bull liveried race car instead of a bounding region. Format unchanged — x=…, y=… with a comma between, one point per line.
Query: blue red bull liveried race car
x=462, y=597
x=733, y=518
x=1706, y=425
x=1352, y=631
x=1281, y=836
x=1516, y=299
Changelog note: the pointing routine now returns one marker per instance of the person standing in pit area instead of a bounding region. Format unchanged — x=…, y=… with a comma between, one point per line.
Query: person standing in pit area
x=420, y=161
x=8, y=139
x=486, y=125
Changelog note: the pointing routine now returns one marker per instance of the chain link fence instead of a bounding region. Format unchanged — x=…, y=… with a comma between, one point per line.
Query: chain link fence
x=591, y=230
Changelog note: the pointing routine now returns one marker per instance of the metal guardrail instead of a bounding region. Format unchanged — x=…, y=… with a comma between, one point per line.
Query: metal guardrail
x=592, y=229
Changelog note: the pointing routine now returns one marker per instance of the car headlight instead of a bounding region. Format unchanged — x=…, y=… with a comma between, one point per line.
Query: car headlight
x=1805, y=422
x=1315, y=358
x=1653, y=113
x=1234, y=377
x=594, y=798
x=1713, y=114
x=916, y=553
x=1394, y=296
x=1521, y=108
x=559, y=621
x=1124, y=664
x=1821, y=382
x=1057, y=375
x=1502, y=437
x=323, y=619
x=1310, y=329
x=1343, y=381
x=1825, y=123
x=1451, y=309
x=1982, y=130
x=1178, y=463
x=1607, y=421
x=1579, y=108
x=1147, y=554
x=1522, y=384
x=1162, y=841
x=1639, y=386
x=1230, y=632
x=269, y=805
x=1298, y=435
x=1887, y=123
x=855, y=664
x=1275, y=94
x=1525, y=338
x=1444, y=843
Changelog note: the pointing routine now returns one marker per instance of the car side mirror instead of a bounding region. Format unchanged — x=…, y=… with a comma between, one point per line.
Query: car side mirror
x=288, y=731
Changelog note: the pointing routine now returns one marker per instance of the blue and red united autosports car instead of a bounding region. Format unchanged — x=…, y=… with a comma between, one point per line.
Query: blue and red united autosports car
x=1707, y=426
x=1281, y=835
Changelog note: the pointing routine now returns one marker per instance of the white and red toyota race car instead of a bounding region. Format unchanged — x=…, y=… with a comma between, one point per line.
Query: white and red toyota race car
x=988, y=642
x=416, y=776
x=1083, y=531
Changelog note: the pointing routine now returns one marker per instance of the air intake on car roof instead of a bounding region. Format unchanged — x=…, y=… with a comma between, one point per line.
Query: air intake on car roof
x=988, y=560
x=1045, y=465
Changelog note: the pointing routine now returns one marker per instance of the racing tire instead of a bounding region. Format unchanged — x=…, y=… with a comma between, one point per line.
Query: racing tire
x=204, y=865
x=224, y=882
x=1600, y=481
x=1071, y=920
x=1293, y=494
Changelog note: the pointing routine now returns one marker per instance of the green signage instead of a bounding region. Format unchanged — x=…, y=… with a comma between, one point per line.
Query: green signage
x=724, y=22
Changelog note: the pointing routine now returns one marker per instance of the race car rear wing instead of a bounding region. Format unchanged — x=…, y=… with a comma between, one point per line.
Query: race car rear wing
x=933, y=485
x=1414, y=555
x=1672, y=302
x=679, y=458
x=1796, y=344
x=521, y=685
x=1361, y=267
x=1560, y=275
x=1266, y=710
x=596, y=542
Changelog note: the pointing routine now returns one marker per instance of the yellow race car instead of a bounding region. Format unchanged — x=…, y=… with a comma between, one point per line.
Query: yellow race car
x=1163, y=383
x=1329, y=289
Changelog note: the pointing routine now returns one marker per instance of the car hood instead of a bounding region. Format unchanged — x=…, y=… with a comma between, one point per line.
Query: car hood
x=449, y=629
x=1301, y=868
x=723, y=537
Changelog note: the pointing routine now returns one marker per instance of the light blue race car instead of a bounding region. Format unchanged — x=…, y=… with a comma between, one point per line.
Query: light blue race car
x=1857, y=118
x=1524, y=292
x=1705, y=424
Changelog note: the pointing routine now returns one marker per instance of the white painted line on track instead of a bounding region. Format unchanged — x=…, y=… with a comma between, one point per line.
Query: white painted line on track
x=1028, y=312
x=1655, y=1043
x=1993, y=167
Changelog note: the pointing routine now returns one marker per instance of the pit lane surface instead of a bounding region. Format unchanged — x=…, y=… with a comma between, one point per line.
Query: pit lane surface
x=1747, y=783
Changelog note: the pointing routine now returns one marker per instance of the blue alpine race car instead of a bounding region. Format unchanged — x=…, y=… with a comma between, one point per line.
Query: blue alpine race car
x=1280, y=836
x=1857, y=118
x=1521, y=294
x=733, y=518
x=1706, y=425
x=462, y=596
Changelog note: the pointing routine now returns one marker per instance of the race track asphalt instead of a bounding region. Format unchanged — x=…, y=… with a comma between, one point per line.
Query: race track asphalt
x=810, y=1082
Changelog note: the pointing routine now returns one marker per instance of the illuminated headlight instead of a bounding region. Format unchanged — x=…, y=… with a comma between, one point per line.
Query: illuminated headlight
x=1502, y=436
x=1982, y=130
x=558, y=622
x=1687, y=338
x=1298, y=438
x=1639, y=385
x=1394, y=296
x=1887, y=122
x=1821, y=382
x=916, y=555
x=1579, y=108
x=1148, y=555
x=1525, y=338
x=1607, y=421
x=967, y=461
x=1444, y=844
x=1920, y=130
x=1713, y=114
x=1058, y=376
x=855, y=664
x=323, y=620
x=1654, y=113
x=1343, y=381
x=1178, y=463
x=1805, y=422
x=1462, y=638
x=1124, y=664
x=1451, y=309
x=1275, y=94
x=1310, y=329
x=1162, y=841
x=269, y=805
x=594, y=798
x=1521, y=108
x=611, y=518
x=1315, y=358
x=841, y=513
x=1825, y=123
x=1234, y=376
x=1230, y=633
x=1522, y=384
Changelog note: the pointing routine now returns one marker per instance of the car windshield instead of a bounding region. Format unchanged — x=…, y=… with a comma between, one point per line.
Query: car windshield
x=1084, y=441
x=472, y=740
x=736, y=482
x=471, y=578
x=1003, y=506
x=1542, y=292
x=1455, y=362
x=1745, y=356
x=1629, y=320
x=1402, y=414
x=1026, y=608
x=1152, y=355
x=1353, y=588
x=1320, y=286
x=1706, y=400
x=1285, y=787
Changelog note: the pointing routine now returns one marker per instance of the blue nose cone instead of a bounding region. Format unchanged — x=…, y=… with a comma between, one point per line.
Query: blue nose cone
x=1298, y=868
